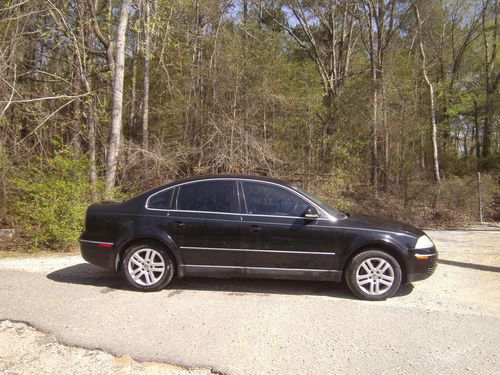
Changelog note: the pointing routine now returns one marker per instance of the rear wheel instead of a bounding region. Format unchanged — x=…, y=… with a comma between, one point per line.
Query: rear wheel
x=374, y=275
x=147, y=267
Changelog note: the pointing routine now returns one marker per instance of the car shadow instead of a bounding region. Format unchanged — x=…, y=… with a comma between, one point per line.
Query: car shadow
x=474, y=266
x=88, y=274
x=241, y=286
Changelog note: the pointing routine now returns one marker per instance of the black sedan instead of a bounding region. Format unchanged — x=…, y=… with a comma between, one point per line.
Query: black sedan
x=241, y=226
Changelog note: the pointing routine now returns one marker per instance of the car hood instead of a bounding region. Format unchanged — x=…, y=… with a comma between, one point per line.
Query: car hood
x=385, y=225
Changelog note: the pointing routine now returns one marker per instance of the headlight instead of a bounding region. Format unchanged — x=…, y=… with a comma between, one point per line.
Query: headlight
x=424, y=242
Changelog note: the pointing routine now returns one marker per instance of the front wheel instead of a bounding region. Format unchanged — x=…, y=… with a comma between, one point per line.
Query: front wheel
x=373, y=275
x=147, y=267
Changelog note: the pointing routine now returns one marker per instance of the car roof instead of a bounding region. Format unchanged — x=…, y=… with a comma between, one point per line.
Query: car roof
x=146, y=194
x=229, y=176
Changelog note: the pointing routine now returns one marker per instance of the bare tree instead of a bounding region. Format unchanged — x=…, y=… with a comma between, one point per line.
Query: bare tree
x=377, y=19
x=80, y=41
x=86, y=37
x=117, y=107
x=103, y=39
x=330, y=46
x=133, y=89
x=326, y=31
x=432, y=97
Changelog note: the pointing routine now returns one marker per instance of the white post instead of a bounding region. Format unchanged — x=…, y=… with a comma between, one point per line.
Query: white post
x=479, y=200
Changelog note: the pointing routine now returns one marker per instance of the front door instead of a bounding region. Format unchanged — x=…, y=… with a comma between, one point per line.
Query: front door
x=277, y=238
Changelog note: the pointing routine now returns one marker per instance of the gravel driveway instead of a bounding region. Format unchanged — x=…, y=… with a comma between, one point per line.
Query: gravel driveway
x=449, y=323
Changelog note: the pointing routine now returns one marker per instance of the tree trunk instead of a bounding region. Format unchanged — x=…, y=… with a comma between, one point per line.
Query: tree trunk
x=378, y=22
x=86, y=35
x=145, y=98
x=117, y=109
x=434, y=136
x=244, y=93
x=133, y=89
x=375, y=161
x=92, y=142
x=434, y=126
x=477, y=144
x=491, y=76
x=387, y=144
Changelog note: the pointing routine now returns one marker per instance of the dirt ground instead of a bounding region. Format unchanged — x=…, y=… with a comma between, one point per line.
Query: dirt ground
x=24, y=350
x=468, y=274
x=449, y=323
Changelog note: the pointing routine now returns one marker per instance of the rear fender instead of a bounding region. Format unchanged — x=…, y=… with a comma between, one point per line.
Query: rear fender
x=165, y=241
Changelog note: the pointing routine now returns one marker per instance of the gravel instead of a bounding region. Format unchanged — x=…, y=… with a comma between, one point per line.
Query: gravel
x=449, y=323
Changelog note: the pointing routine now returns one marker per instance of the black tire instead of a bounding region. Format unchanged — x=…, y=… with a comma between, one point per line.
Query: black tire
x=366, y=280
x=145, y=275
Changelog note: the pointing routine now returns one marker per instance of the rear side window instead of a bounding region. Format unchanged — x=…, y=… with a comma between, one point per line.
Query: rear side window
x=266, y=199
x=161, y=200
x=214, y=196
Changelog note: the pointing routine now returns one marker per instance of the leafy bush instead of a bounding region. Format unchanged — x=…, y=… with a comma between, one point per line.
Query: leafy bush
x=50, y=198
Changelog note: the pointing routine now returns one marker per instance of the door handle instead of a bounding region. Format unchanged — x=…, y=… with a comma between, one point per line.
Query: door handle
x=254, y=228
x=178, y=224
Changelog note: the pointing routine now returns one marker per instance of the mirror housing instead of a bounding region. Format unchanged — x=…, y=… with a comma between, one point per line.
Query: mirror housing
x=311, y=213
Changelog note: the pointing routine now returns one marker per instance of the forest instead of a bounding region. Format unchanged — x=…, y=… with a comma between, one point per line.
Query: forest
x=380, y=107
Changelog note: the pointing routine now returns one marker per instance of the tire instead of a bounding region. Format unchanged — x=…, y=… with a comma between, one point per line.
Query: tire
x=147, y=267
x=373, y=275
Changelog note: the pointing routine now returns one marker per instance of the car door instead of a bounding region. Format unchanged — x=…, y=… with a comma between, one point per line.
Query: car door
x=206, y=224
x=278, y=238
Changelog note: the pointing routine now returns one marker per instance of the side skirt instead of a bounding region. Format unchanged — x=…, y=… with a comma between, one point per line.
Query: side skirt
x=260, y=272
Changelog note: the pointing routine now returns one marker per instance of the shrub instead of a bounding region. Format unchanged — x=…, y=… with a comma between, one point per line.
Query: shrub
x=50, y=198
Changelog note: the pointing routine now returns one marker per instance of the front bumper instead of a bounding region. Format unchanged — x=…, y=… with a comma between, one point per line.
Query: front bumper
x=422, y=263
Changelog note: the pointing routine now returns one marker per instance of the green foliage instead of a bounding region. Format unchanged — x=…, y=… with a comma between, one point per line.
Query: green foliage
x=232, y=91
x=50, y=199
x=4, y=162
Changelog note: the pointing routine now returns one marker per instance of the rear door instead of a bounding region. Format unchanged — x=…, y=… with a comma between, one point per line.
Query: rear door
x=206, y=224
x=278, y=239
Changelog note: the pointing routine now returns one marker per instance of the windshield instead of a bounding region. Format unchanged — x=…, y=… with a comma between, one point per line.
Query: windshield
x=330, y=210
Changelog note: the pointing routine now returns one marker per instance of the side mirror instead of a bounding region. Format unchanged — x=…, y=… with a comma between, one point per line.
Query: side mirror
x=311, y=213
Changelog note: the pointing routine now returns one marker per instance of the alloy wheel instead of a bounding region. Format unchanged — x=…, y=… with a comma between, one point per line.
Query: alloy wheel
x=146, y=266
x=375, y=276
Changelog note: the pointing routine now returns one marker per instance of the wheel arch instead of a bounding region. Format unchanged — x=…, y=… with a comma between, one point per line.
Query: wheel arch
x=160, y=242
x=387, y=247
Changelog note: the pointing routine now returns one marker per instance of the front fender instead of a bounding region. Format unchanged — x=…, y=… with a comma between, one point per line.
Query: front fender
x=397, y=247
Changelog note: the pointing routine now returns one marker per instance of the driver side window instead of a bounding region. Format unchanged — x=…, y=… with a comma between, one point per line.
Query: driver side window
x=267, y=199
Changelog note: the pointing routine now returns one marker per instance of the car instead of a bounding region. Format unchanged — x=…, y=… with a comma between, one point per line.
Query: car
x=247, y=226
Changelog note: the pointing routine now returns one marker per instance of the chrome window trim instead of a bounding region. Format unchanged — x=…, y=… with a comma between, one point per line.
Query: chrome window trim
x=323, y=212
x=256, y=250
x=98, y=242
x=262, y=268
x=232, y=213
